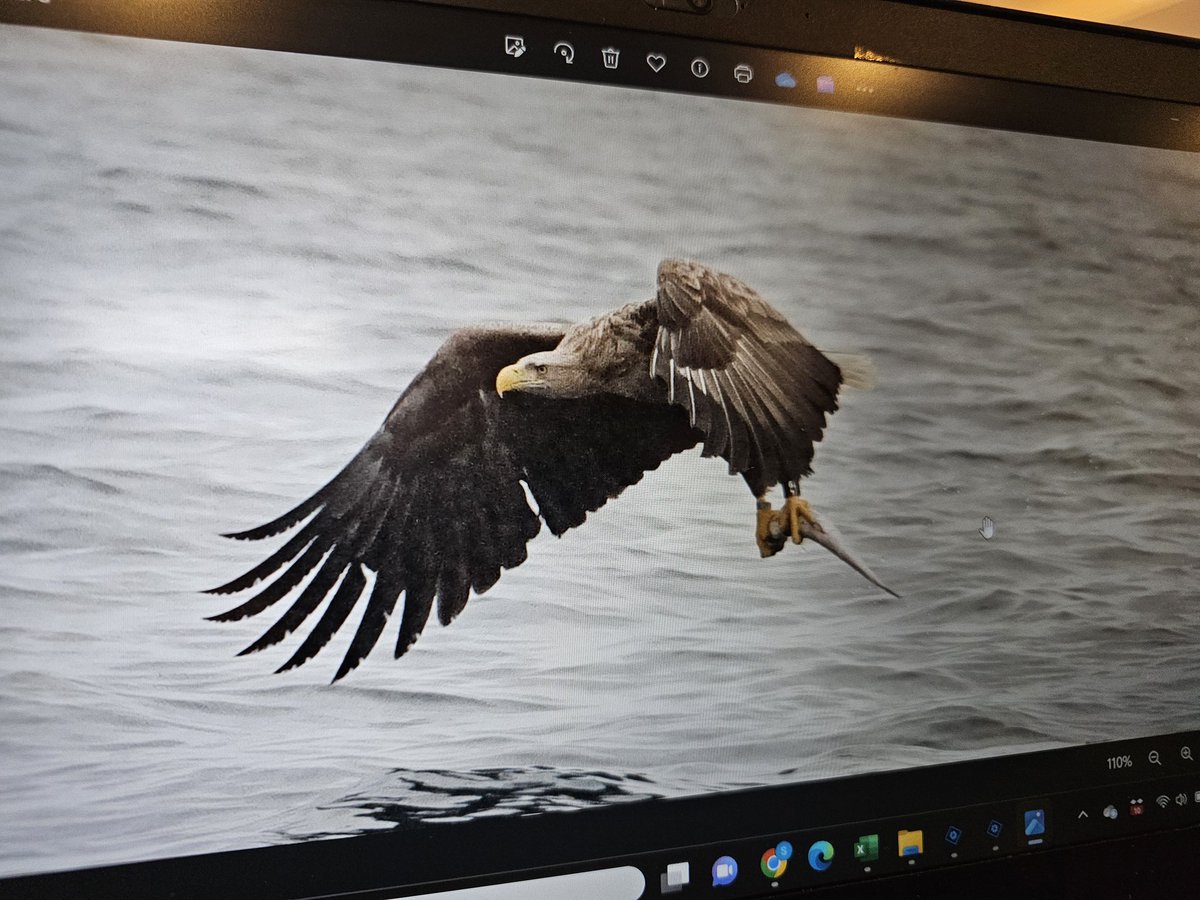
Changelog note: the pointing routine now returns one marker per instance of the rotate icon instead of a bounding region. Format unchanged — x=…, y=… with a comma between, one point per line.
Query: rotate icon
x=566, y=51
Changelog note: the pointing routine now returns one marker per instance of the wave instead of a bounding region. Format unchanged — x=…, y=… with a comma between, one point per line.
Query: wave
x=406, y=797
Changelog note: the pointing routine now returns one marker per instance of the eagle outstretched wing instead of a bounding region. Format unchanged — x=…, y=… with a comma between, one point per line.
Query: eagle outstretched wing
x=433, y=504
x=750, y=382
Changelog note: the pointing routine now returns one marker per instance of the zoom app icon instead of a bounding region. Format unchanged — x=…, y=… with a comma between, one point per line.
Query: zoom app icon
x=820, y=855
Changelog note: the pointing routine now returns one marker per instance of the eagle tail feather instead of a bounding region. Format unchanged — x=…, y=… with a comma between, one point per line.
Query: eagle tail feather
x=858, y=369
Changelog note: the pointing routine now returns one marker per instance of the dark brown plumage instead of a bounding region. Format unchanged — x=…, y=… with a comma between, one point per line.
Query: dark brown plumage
x=433, y=505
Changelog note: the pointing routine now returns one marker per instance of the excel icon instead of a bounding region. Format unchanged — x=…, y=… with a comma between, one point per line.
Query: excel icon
x=866, y=848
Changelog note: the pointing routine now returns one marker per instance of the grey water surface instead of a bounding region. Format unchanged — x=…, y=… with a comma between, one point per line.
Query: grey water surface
x=218, y=269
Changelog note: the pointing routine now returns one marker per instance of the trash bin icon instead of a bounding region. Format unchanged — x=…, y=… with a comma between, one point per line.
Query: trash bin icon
x=611, y=56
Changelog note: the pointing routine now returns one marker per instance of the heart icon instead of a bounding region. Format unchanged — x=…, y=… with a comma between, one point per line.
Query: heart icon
x=655, y=61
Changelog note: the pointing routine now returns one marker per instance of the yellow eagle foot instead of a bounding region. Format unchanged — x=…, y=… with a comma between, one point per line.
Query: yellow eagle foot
x=769, y=531
x=797, y=510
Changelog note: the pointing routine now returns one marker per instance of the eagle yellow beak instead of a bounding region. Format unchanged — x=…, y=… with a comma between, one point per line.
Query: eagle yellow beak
x=509, y=379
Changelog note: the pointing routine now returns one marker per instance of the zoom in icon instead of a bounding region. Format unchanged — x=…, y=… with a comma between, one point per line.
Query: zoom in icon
x=820, y=856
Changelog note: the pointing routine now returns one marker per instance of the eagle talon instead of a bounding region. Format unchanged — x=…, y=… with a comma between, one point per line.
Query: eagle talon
x=768, y=533
x=796, y=510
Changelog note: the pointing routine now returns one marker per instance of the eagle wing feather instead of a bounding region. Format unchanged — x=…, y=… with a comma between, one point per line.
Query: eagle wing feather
x=433, y=505
x=749, y=381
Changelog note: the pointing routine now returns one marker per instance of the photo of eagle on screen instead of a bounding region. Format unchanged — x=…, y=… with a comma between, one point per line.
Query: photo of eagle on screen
x=434, y=504
x=249, y=287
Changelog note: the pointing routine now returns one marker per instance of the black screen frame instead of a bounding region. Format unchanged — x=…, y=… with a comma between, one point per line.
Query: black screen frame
x=1144, y=77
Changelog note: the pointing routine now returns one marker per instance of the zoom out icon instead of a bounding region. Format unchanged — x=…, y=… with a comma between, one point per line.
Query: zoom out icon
x=820, y=856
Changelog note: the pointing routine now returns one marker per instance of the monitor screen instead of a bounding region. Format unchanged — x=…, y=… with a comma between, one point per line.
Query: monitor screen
x=743, y=448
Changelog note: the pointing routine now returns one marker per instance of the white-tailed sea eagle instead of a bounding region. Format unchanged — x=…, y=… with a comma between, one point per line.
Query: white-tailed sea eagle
x=434, y=505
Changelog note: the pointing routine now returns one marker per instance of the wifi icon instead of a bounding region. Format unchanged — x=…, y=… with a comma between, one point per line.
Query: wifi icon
x=1162, y=800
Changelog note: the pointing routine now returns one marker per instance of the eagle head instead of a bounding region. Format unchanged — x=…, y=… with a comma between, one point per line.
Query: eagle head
x=550, y=373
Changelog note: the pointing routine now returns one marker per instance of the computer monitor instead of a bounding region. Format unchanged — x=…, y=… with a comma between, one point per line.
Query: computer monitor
x=789, y=411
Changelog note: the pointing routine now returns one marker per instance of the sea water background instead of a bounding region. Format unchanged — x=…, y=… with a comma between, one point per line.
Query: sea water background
x=220, y=268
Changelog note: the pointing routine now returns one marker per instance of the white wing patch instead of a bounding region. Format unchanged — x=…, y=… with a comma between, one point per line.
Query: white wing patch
x=708, y=382
x=756, y=388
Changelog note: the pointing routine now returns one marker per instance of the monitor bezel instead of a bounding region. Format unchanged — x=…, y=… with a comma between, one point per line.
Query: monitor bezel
x=1099, y=63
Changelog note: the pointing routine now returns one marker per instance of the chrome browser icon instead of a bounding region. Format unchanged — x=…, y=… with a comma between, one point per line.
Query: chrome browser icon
x=774, y=860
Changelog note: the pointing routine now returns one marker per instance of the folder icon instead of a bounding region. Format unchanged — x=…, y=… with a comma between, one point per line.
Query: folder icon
x=910, y=843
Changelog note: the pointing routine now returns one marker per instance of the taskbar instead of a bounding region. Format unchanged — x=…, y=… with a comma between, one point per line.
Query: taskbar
x=848, y=852
x=737, y=844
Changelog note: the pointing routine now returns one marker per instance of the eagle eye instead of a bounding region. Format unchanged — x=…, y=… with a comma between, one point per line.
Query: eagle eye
x=540, y=368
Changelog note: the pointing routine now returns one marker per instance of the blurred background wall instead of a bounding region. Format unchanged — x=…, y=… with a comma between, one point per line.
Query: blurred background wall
x=1169, y=16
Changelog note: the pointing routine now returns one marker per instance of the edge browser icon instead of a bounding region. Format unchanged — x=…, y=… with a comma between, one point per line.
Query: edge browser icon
x=820, y=856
